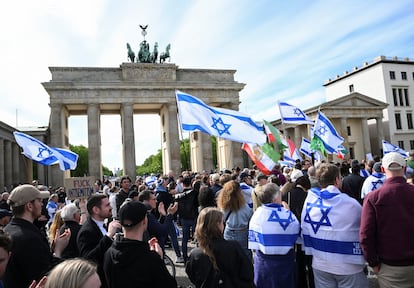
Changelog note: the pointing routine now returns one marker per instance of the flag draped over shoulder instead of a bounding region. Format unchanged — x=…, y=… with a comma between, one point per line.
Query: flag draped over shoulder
x=325, y=138
x=273, y=229
x=43, y=154
x=388, y=147
x=264, y=157
x=233, y=125
x=293, y=115
x=325, y=214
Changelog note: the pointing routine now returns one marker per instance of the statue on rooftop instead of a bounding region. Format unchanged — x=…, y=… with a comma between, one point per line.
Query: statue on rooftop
x=131, y=54
x=166, y=54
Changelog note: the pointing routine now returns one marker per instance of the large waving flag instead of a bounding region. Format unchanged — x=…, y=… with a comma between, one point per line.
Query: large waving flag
x=43, y=154
x=293, y=115
x=233, y=125
x=305, y=147
x=292, y=153
x=388, y=147
x=261, y=156
x=325, y=138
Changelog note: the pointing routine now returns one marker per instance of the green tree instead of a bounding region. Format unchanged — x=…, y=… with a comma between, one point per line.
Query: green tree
x=83, y=161
x=153, y=164
x=185, y=154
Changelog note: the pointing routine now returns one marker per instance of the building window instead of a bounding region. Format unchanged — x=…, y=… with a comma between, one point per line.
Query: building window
x=401, y=144
x=410, y=120
x=351, y=152
x=348, y=130
x=351, y=88
x=411, y=144
x=404, y=75
x=413, y=75
x=398, y=120
x=392, y=75
x=400, y=96
x=407, y=99
x=394, y=96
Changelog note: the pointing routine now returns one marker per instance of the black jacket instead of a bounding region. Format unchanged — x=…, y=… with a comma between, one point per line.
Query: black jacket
x=71, y=251
x=120, y=198
x=31, y=257
x=130, y=263
x=92, y=245
x=236, y=270
x=295, y=199
x=187, y=204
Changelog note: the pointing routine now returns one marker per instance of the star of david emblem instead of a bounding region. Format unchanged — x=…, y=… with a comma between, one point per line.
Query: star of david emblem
x=322, y=130
x=284, y=223
x=41, y=150
x=375, y=183
x=323, y=221
x=220, y=126
x=297, y=112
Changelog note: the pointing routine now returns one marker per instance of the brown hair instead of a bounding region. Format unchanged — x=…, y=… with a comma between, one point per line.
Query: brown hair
x=231, y=197
x=208, y=229
x=327, y=174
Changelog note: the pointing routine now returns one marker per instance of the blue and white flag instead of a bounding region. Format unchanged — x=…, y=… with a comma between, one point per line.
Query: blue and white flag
x=273, y=229
x=233, y=125
x=324, y=132
x=330, y=226
x=305, y=147
x=293, y=115
x=388, y=147
x=43, y=154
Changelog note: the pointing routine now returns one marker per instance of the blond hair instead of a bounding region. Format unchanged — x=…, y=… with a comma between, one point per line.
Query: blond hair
x=55, y=226
x=72, y=273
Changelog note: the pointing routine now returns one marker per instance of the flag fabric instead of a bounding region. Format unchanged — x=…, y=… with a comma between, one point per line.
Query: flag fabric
x=325, y=214
x=388, y=147
x=292, y=153
x=305, y=147
x=43, y=154
x=273, y=230
x=233, y=125
x=293, y=115
x=341, y=151
x=262, y=160
x=325, y=138
x=274, y=137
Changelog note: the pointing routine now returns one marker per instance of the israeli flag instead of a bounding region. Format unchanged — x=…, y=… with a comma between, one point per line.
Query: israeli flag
x=388, y=147
x=233, y=125
x=325, y=131
x=293, y=115
x=305, y=147
x=43, y=154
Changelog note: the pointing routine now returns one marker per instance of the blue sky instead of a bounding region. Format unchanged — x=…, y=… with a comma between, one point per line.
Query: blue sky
x=282, y=50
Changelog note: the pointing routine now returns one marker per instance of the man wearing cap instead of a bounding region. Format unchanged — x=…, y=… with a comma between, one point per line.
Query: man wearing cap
x=387, y=226
x=93, y=239
x=131, y=262
x=31, y=257
x=373, y=181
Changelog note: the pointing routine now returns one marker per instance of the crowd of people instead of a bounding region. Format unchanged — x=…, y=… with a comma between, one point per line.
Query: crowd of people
x=311, y=225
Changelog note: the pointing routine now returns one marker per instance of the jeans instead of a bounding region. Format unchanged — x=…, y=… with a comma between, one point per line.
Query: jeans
x=241, y=237
x=329, y=280
x=174, y=241
x=186, y=225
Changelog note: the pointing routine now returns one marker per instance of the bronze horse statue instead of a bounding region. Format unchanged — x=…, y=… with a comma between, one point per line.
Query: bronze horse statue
x=154, y=54
x=166, y=54
x=131, y=54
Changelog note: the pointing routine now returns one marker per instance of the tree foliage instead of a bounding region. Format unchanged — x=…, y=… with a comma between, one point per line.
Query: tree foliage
x=83, y=162
x=153, y=164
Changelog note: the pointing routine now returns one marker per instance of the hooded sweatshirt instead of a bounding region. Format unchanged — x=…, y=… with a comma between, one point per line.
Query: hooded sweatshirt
x=130, y=263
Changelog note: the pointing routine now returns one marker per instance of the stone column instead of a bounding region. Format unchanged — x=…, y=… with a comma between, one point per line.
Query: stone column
x=365, y=136
x=298, y=138
x=94, y=141
x=15, y=163
x=128, y=140
x=8, y=164
x=343, y=131
x=201, y=152
x=380, y=133
x=224, y=154
x=2, y=165
x=57, y=120
x=171, y=156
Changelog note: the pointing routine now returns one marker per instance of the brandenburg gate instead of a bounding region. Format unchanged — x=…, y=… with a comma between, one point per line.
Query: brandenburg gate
x=136, y=88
